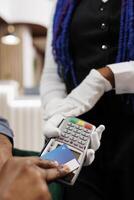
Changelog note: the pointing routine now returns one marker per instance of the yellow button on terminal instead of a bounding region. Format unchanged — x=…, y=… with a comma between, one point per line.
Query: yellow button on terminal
x=80, y=123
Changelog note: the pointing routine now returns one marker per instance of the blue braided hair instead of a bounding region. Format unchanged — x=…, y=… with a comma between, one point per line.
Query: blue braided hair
x=126, y=37
x=126, y=40
x=60, y=43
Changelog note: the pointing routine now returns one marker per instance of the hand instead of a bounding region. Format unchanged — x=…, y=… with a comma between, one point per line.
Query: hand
x=82, y=98
x=26, y=178
x=94, y=145
x=79, y=101
x=51, y=130
x=5, y=149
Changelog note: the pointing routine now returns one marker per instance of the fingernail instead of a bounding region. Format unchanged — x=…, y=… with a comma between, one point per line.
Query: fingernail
x=55, y=163
x=65, y=168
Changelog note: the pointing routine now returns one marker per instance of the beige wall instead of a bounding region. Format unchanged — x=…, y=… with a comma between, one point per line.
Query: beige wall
x=10, y=59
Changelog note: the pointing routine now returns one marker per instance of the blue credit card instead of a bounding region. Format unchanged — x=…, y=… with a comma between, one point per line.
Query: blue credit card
x=63, y=155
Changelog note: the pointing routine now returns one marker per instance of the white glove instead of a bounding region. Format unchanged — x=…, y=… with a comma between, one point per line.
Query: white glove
x=95, y=144
x=51, y=106
x=51, y=130
x=81, y=99
x=124, y=77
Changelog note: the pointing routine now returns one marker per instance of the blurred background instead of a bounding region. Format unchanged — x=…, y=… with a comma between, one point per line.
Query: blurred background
x=23, y=32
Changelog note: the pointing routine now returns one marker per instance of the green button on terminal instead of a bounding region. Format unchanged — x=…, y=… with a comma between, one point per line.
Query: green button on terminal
x=73, y=120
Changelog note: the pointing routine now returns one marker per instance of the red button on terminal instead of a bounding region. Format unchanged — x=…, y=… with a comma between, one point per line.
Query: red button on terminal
x=88, y=126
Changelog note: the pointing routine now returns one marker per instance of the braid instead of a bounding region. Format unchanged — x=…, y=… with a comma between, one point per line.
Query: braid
x=126, y=37
x=131, y=30
x=126, y=40
x=123, y=32
x=62, y=19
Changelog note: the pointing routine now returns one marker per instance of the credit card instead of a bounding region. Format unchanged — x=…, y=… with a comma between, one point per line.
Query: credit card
x=63, y=155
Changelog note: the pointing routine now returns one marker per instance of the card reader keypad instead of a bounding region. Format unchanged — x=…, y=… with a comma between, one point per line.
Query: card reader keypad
x=75, y=133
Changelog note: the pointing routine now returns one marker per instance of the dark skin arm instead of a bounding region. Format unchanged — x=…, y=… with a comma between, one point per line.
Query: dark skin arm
x=5, y=149
x=108, y=74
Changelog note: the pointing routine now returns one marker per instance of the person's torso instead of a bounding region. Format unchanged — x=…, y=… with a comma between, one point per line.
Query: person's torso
x=94, y=35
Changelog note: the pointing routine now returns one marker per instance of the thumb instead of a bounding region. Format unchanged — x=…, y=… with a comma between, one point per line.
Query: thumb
x=96, y=137
x=100, y=130
x=90, y=155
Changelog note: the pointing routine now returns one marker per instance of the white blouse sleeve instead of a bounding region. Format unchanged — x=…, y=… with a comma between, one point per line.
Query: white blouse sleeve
x=51, y=85
x=124, y=77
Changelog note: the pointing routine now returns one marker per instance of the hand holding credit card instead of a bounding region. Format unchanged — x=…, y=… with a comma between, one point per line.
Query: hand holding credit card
x=63, y=155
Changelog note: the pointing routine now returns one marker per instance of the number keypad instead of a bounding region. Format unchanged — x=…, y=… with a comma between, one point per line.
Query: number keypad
x=75, y=135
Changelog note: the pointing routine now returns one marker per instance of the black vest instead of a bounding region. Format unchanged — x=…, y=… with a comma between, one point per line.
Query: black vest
x=94, y=34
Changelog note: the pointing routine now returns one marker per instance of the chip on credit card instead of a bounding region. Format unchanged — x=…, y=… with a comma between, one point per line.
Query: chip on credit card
x=63, y=155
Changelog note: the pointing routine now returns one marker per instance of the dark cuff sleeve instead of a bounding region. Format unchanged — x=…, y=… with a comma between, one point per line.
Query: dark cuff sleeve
x=5, y=129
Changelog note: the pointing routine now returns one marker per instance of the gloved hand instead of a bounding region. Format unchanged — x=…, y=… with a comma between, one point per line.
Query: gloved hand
x=51, y=130
x=81, y=99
